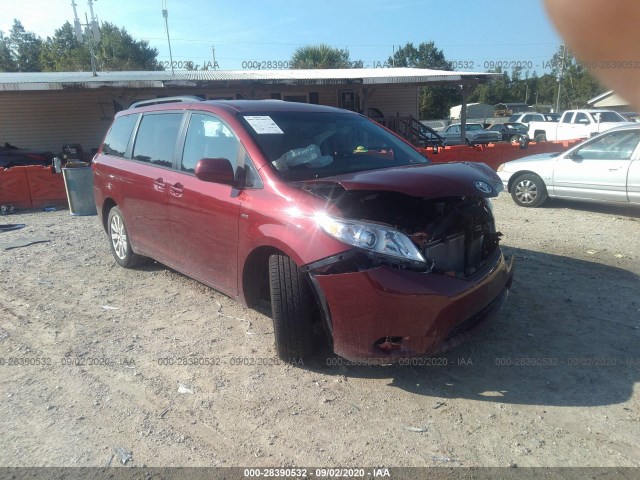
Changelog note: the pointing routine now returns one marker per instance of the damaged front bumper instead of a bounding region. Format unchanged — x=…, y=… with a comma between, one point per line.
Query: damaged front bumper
x=387, y=313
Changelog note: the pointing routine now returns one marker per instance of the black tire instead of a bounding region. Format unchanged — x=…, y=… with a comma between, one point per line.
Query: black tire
x=541, y=137
x=528, y=190
x=292, y=309
x=514, y=138
x=119, y=241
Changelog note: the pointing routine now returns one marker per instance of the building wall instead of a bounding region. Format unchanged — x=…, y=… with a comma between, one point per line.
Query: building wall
x=613, y=102
x=46, y=120
x=395, y=100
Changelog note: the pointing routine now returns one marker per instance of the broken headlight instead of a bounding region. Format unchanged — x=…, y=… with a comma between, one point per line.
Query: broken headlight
x=374, y=238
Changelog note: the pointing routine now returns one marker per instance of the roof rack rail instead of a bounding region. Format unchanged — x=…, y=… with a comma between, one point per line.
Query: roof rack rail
x=159, y=101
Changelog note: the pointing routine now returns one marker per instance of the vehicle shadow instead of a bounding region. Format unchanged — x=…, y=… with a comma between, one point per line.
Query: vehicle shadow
x=567, y=336
x=631, y=211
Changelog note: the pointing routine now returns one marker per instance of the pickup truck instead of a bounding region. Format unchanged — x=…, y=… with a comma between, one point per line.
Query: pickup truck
x=576, y=124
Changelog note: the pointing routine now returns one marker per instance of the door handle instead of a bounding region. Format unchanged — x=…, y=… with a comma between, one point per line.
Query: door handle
x=176, y=190
x=158, y=184
x=614, y=169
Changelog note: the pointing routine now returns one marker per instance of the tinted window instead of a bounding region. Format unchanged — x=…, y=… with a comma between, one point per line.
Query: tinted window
x=581, y=118
x=208, y=137
x=610, y=117
x=118, y=135
x=156, y=139
x=567, y=118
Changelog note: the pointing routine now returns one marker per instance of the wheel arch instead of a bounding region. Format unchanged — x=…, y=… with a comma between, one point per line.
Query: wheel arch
x=539, y=132
x=255, y=274
x=107, y=205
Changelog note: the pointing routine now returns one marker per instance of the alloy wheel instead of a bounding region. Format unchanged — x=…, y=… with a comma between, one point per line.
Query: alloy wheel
x=526, y=191
x=119, y=237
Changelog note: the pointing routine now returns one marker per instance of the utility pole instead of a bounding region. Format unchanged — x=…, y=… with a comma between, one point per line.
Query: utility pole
x=165, y=14
x=91, y=32
x=560, y=73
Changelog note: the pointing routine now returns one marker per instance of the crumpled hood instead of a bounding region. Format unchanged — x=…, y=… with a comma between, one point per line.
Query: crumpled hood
x=432, y=180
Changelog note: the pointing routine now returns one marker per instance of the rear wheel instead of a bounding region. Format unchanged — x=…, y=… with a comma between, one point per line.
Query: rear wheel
x=514, y=138
x=292, y=309
x=528, y=190
x=119, y=241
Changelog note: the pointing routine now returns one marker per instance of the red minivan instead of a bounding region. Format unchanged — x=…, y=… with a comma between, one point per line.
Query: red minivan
x=321, y=214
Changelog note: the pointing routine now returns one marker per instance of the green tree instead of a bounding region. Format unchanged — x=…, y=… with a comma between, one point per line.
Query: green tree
x=578, y=86
x=25, y=48
x=434, y=102
x=7, y=63
x=499, y=90
x=427, y=55
x=117, y=50
x=320, y=56
x=64, y=53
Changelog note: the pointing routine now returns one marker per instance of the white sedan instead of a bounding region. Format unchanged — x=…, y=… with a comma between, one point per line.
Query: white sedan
x=605, y=168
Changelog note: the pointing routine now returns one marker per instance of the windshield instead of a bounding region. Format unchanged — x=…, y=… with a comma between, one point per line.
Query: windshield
x=608, y=117
x=308, y=145
x=474, y=126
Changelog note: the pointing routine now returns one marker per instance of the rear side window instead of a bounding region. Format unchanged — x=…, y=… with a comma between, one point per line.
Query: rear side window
x=118, y=135
x=156, y=139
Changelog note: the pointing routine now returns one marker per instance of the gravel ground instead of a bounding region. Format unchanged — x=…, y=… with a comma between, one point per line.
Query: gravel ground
x=552, y=382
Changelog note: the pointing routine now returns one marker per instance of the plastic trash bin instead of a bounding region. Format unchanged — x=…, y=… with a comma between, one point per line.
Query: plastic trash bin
x=78, y=181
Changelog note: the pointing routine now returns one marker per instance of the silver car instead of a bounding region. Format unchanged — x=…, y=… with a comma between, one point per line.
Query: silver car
x=605, y=168
x=475, y=135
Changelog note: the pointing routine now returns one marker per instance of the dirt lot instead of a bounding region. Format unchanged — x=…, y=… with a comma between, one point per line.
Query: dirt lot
x=554, y=381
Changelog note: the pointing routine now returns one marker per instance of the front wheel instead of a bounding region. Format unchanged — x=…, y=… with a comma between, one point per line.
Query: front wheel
x=291, y=307
x=119, y=241
x=514, y=138
x=541, y=137
x=528, y=190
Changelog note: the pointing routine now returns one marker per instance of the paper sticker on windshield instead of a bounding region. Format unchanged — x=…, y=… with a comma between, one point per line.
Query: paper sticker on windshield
x=263, y=124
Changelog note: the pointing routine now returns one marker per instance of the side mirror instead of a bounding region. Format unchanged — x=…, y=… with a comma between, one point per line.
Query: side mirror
x=575, y=156
x=215, y=170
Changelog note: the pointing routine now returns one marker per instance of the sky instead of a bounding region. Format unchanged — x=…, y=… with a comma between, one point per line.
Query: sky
x=476, y=35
